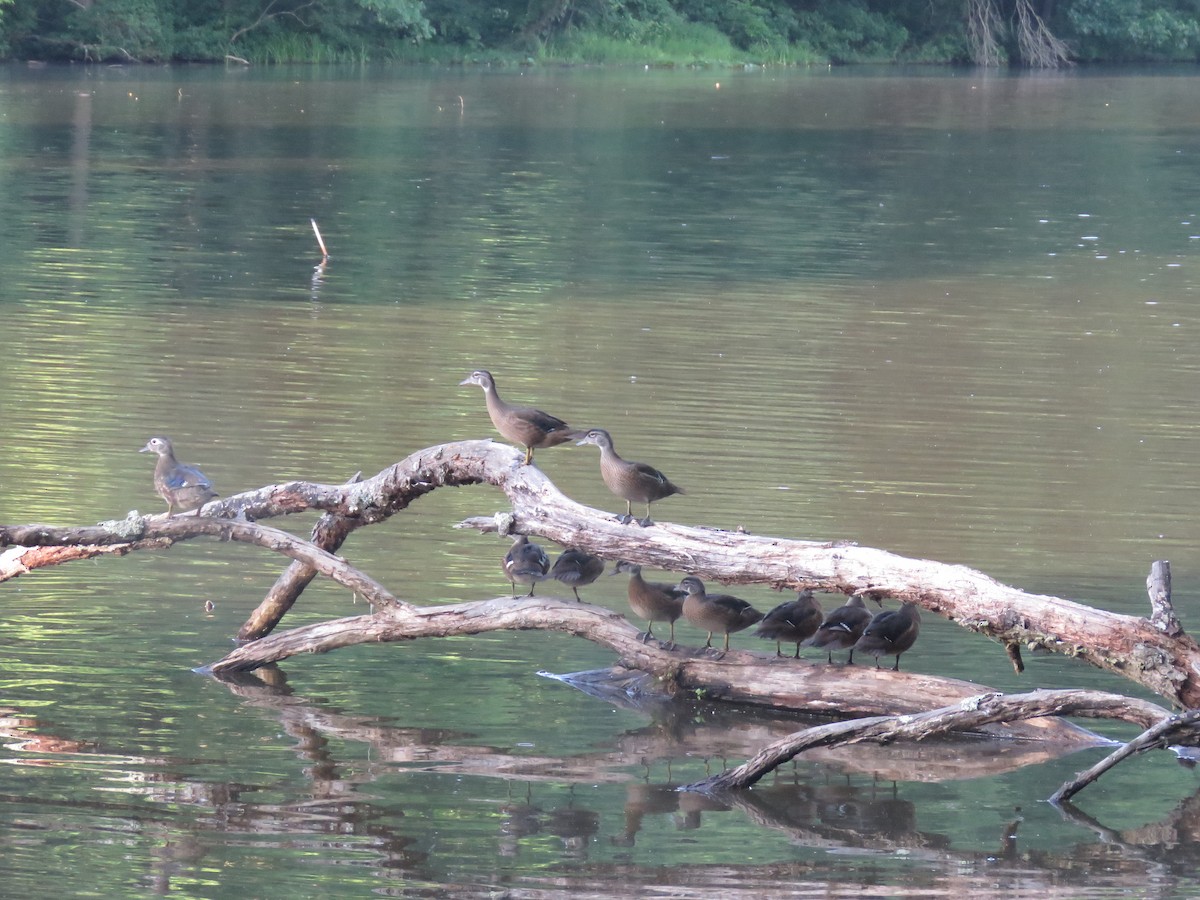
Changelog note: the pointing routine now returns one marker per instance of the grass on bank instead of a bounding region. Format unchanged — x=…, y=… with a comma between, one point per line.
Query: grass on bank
x=683, y=44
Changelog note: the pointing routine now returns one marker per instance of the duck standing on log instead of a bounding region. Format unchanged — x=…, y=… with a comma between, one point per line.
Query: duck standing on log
x=524, y=425
x=652, y=600
x=525, y=562
x=182, y=486
x=794, y=621
x=631, y=481
x=842, y=628
x=715, y=612
x=576, y=569
x=890, y=633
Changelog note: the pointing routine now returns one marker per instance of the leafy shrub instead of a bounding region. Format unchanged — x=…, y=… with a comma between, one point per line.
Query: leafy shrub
x=1117, y=30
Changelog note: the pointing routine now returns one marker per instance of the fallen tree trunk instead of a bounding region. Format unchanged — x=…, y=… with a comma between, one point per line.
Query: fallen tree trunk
x=1167, y=664
x=1154, y=653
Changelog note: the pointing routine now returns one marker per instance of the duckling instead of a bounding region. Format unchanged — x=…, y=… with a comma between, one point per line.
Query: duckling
x=652, y=600
x=629, y=480
x=890, y=633
x=182, y=486
x=842, y=628
x=715, y=612
x=524, y=425
x=576, y=568
x=794, y=621
x=525, y=562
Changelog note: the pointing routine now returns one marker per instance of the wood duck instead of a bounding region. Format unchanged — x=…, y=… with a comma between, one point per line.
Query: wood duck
x=842, y=628
x=654, y=601
x=890, y=633
x=526, y=563
x=524, y=425
x=182, y=486
x=794, y=621
x=576, y=569
x=715, y=612
x=631, y=481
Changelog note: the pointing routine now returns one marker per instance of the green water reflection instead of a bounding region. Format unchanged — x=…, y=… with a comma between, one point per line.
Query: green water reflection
x=945, y=314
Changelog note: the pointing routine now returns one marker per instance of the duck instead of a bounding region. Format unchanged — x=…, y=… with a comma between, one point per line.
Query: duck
x=842, y=628
x=715, y=612
x=654, y=601
x=576, y=569
x=631, y=481
x=890, y=633
x=524, y=425
x=525, y=562
x=182, y=486
x=794, y=621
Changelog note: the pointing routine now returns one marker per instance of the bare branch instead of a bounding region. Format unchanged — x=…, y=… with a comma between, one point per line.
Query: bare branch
x=329, y=533
x=970, y=714
x=267, y=15
x=161, y=532
x=1181, y=728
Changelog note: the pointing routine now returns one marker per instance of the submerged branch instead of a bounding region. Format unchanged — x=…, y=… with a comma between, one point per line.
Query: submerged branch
x=971, y=713
x=1180, y=729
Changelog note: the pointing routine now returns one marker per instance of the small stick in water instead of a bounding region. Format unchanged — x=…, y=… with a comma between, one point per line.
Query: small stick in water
x=320, y=241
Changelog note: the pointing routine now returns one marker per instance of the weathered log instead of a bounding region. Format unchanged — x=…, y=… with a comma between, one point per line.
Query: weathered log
x=1158, y=586
x=1125, y=645
x=741, y=677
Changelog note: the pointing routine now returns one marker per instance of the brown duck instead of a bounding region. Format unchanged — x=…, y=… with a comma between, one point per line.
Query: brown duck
x=184, y=487
x=524, y=425
x=652, y=600
x=631, y=481
x=794, y=621
x=842, y=628
x=576, y=569
x=890, y=633
x=525, y=562
x=715, y=612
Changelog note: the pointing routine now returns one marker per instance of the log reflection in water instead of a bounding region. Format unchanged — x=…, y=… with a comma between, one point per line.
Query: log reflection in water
x=830, y=813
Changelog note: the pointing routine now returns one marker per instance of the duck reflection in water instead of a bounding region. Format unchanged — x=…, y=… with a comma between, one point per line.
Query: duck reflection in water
x=643, y=800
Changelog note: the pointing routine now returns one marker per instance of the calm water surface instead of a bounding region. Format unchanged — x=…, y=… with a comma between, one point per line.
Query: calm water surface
x=952, y=314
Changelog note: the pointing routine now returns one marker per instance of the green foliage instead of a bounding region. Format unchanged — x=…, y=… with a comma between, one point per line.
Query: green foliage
x=747, y=23
x=850, y=32
x=470, y=24
x=117, y=29
x=615, y=31
x=1133, y=30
